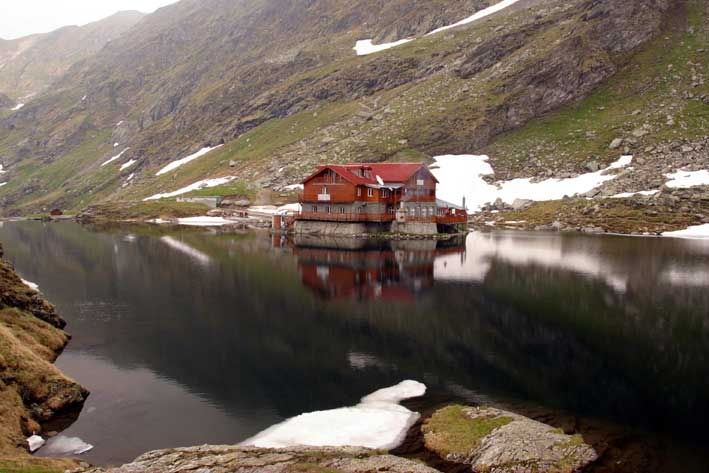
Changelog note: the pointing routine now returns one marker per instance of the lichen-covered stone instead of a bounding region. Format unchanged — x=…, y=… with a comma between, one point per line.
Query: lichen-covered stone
x=495, y=441
x=223, y=459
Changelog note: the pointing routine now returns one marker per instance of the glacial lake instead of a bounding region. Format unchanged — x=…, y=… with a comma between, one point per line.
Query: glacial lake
x=186, y=336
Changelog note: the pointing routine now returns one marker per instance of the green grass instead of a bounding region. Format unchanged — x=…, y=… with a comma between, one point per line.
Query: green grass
x=449, y=431
x=7, y=466
x=116, y=211
x=238, y=188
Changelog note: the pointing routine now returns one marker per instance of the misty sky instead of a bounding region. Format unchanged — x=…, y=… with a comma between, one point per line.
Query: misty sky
x=23, y=17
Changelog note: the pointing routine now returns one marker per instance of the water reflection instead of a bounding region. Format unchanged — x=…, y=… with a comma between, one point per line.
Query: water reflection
x=243, y=331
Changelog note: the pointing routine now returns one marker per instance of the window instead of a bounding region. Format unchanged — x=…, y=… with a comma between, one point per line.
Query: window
x=315, y=208
x=359, y=192
x=324, y=190
x=329, y=209
x=385, y=193
x=342, y=210
x=370, y=192
x=419, y=182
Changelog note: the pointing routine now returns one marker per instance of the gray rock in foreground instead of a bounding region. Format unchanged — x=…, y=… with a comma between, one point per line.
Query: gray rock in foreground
x=495, y=441
x=223, y=459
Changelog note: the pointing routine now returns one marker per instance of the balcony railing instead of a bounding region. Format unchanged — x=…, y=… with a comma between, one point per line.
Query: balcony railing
x=345, y=217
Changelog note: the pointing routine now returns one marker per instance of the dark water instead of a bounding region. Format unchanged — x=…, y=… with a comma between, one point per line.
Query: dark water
x=191, y=336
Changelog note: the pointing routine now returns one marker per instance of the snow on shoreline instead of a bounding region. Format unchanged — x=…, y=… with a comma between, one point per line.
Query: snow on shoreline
x=364, y=47
x=30, y=284
x=461, y=176
x=203, y=184
x=378, y=422
x=204, y=221
x=116, y=157
x=700, y=232
x=63, y=445
x=181, y=162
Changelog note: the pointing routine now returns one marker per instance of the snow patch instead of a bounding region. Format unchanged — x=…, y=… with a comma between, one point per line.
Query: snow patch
x=3, y=184
x=364, y=47
x=461, y=176
x=378, y=421
x=186, y=249
x=204, y=221
x=294, y=187
x=2, y=169
x=625, y=195
x=30, y=284
x=273, y=210
x=697, y=232
x=203, y=184
x=128, y=164
x=477, y=16
x=181, y=162
x=686, y=179
x=116, y=157
x=17, y=107
x=35, y=442
x=63, y=445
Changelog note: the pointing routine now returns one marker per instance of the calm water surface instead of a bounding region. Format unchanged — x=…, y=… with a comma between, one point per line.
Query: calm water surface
x=190, y=336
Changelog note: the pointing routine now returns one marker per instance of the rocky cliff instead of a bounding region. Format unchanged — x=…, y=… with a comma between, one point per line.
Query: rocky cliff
x=32, y=390
x=281, y=87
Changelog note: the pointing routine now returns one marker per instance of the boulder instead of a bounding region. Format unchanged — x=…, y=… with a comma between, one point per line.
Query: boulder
x=226, y=459
x=616, y=143
x=492, y=440
x=592, y=166
x=521, y=204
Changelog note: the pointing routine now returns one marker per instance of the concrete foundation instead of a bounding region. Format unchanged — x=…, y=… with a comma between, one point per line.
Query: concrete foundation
x=414, y=228
x=312, y=227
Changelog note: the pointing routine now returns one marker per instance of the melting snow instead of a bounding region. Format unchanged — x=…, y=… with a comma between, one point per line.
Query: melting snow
x=462, y=176
x=118, y=156
x=685, y=179
x=2, y=169
x=204, y=184
x=3, y=184
x=204, y=221
x=30, y=284
x=273, y=210
x=17, y=107
x=128, y=164
x=697, y=231
x=35, y=442
x=294, y=187
x=181, y=162
x=625, y=195
x=63, y=445
x=187, y=250
x=365, y=46
x=478, y=15
x=378, y=421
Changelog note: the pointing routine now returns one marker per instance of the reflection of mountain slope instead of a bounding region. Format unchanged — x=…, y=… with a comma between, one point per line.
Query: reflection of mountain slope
x=246, y=333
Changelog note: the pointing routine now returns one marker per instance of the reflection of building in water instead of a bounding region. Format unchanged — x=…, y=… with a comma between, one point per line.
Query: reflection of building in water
x=367, y=270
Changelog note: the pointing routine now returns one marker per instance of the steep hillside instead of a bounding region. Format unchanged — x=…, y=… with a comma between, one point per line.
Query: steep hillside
x=29, y=65
x=281, y=87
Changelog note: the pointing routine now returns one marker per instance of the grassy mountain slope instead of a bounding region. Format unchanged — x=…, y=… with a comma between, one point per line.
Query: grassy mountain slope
x=29, y=65
x=280, y=85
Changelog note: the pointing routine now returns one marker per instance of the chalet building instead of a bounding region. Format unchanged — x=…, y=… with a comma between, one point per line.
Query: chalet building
x=399, y=197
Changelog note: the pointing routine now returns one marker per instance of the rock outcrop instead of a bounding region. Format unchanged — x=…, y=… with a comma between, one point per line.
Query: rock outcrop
x=495, y=441
x=32, y=390
x=225, y=459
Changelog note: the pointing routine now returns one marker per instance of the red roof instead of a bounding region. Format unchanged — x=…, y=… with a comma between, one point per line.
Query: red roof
x=390, y=173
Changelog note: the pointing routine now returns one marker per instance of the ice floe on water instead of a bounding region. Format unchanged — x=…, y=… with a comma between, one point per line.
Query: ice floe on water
x=696, y=231
x=35, y=442
x=204, y=221
x=30, y=284
x=686, y=179
x=116, y=157
x=366, y=46
x=186, y=249
x=62, y=445
x=203, y=184
x=461, y=176
x=378, y=421
x=181, y=162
